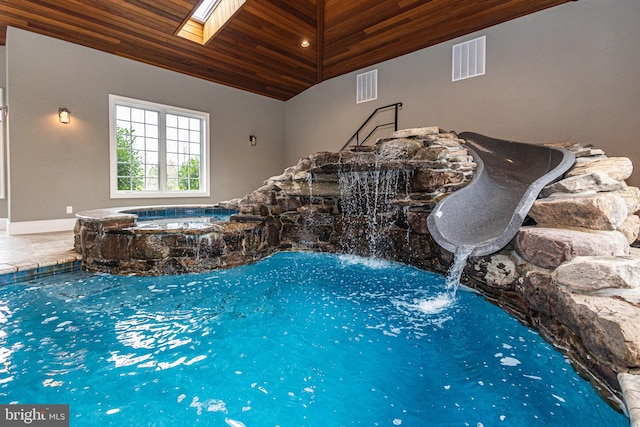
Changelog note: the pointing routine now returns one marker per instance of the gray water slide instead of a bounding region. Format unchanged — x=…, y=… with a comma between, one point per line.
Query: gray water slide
x=486, y=214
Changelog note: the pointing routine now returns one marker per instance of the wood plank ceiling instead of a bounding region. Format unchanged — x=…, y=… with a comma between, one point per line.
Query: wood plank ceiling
x=259, y=49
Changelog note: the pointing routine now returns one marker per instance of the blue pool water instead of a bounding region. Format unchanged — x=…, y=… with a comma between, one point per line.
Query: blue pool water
x=295, y=340
x=173, y=212
x=180, y=217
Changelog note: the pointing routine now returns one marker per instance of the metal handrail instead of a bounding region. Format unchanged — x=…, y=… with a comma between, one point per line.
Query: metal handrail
x=356, y=135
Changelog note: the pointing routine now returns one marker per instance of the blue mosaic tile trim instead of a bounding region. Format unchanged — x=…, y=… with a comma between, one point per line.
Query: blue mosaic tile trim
x=169, y=213
x=35, y=273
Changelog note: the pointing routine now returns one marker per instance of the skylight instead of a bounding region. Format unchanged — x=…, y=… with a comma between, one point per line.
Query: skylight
x=204, y=11
x=209, y=18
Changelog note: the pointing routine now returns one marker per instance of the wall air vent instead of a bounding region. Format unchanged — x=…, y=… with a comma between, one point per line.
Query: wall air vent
x=469, y=59
x=367, y=86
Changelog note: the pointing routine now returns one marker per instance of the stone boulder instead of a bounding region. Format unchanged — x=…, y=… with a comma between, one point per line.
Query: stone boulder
x=430, y=180
x=600, y=211
x=423, y=132
x=304, y=164
x=580, y=151
x=618, y=168
x=116, y=246
x=631, y=196
x=432, y=153
x=148, y=247
x=537, y=289
x=550, y=247
x=592, y=182
x=302, y=188
x=609, y=328
x=498, y=271
x=417, y=220
x=365, y=160
x=448, y=141
x=631, y=228
x=265, y=195
x=286, y=176
x=398, y=149
x=321, y=158
x=591, y=273
x=301, y=176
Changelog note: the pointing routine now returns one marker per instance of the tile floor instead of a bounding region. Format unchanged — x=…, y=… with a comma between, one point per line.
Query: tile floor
x=34, y=251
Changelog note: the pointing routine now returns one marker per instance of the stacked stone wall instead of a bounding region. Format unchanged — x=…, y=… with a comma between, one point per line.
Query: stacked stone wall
x=124, y=248
x=572, y=272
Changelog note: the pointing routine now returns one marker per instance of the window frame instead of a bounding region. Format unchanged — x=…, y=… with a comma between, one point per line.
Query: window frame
x=163, y=110
x=204, y=11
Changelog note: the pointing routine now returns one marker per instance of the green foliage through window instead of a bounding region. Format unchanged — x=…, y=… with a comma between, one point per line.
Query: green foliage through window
x=130, y=163
x=189, y=174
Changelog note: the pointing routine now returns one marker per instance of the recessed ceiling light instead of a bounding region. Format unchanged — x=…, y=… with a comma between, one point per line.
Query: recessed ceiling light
x=305, y=43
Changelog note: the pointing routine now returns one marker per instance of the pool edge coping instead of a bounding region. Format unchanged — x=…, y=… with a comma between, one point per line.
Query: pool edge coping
x=630, y=385
x=23, y=272
x=124, y=212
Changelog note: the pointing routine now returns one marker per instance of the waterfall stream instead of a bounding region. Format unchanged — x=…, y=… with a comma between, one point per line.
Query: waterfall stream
x=310, y=183
x=367, y=204
x=454, y=274
x=367, y=207
x=443, y=300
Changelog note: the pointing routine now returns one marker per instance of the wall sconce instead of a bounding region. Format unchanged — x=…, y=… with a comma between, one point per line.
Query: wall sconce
x=253, y=140
x=64, y=116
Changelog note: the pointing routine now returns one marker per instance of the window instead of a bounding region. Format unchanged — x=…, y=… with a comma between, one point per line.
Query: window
x=157, y=150
x=209, y=18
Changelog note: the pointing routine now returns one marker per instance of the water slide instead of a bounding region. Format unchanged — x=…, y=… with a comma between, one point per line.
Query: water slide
x=486, y=214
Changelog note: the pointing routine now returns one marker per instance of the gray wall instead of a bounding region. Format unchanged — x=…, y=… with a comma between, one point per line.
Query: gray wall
x=566, y=74
x=53, y=165
x=570, y=73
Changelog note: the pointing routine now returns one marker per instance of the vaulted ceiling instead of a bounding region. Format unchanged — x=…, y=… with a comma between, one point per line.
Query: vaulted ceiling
x=259, y=49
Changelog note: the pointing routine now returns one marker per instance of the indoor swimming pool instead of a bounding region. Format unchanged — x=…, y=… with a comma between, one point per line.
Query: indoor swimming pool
x=297, y=339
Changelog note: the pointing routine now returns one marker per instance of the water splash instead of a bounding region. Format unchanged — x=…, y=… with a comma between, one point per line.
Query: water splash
x=445, y=300
x=372, y=263
x=435, y=305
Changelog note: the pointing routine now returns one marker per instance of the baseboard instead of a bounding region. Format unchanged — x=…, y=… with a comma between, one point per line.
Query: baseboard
x=46, y=226
x=3, y=224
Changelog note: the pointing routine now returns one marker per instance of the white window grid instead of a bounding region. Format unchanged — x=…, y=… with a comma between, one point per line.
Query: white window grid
x=184, y=144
